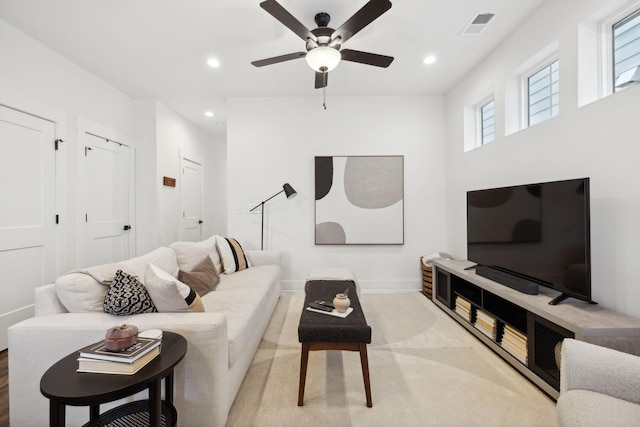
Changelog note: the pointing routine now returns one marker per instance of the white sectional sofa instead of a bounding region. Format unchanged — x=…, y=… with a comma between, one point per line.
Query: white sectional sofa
x=599, y=386
x=221, y=341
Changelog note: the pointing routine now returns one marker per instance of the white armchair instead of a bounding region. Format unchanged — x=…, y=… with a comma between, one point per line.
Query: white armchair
x=598, y=386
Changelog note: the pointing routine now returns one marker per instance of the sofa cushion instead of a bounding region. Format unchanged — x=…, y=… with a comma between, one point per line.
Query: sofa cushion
x=203, y=278
x=242, y=310
x=84, y=289
x=162, y=257
x=251, y=278
x=242, y=297
x=79, y=292
x=231, y=254
x=126, y=295
x=170, y=294
x=190, y=254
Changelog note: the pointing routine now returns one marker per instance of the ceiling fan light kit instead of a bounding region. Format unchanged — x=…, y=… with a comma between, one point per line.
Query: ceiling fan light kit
x=323, y=44
x=323, y=58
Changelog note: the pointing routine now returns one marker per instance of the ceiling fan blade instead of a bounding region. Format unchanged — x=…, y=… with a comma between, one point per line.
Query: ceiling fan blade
x=366, y=15
x=366, y=58
x=281, y=58
x=322, y=79
x=280, y=13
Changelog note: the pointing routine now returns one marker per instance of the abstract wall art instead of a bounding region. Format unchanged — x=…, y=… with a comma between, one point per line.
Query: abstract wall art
x=359, y=200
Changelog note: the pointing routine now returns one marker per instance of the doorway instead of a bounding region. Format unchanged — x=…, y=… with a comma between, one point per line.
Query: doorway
x=191, y=201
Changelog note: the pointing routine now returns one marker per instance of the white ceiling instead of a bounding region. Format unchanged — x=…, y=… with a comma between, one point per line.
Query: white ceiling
x=158, y=48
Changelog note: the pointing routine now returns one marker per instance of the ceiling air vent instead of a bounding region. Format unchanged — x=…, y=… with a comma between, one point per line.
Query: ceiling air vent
x=477, y=24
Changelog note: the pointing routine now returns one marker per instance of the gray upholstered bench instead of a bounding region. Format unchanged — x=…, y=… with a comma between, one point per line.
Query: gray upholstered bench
x=318, y=331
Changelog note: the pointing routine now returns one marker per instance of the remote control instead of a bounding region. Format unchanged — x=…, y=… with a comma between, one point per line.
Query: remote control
x=318, y=306
x=326, y=304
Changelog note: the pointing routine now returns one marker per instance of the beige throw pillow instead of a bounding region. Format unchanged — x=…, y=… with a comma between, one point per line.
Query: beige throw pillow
x=203, y=278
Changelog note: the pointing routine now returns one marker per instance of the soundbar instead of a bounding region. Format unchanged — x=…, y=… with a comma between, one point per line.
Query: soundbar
x=518, y=283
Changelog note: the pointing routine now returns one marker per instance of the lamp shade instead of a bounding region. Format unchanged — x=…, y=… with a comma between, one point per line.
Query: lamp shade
x=323, y=58
x=289, y=191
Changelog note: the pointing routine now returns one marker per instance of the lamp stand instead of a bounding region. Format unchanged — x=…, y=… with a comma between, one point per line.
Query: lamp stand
x=288, y=191
x=262, y=219
x=262, y=226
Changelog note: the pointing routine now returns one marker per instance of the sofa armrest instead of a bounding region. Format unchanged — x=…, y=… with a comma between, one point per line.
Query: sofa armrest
x=47, y=301
x=263, y=257
x=200, y=379
x=603, y=370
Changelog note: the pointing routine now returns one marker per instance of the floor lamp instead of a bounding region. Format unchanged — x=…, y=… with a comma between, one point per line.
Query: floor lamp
x=288, y=191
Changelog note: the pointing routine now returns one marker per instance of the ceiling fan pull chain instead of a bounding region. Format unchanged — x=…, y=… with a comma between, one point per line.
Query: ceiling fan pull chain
x=324, y=97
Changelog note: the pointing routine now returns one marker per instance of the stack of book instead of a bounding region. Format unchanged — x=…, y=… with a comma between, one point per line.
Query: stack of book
x=515, y=342
x=487, y=324
x=463, y=308
x=97, y=359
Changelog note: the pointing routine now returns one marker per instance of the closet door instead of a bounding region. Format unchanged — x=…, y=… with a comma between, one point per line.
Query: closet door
x=191, y=201
x=27, y=213
x=106, y=182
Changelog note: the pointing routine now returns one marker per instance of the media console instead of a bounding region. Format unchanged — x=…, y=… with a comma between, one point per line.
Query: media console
x=524, y=329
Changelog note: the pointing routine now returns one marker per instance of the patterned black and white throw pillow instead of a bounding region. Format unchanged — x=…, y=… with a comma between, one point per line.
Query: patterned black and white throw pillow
x=126, y=295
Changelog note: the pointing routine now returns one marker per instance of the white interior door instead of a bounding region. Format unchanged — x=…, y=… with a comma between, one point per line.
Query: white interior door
x=27, y=213
x=191, y=200
x=105, y=178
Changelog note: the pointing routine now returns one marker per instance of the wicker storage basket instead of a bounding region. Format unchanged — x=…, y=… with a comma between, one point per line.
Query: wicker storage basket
x=427, y=279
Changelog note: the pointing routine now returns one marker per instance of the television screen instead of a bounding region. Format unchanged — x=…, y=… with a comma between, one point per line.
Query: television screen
x=539, y=232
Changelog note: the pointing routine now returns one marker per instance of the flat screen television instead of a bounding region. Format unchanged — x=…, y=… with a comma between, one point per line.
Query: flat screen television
x=537, y=232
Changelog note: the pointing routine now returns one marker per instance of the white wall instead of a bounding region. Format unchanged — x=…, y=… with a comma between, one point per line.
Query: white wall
x=37, y=80
x=274, y=140
x=147, y=215
x=175, y=139
x=599, y=140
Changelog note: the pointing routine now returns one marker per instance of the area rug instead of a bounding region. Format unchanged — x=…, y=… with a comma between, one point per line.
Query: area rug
x=426, y=370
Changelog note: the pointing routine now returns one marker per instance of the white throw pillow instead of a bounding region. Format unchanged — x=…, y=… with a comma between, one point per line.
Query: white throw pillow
x=190, y=254
x=231, y=254
x=168, y=293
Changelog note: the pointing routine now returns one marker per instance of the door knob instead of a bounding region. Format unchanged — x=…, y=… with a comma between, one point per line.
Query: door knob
x=127, y=227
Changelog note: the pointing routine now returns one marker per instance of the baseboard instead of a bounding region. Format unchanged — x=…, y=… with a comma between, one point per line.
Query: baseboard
x=365, y=285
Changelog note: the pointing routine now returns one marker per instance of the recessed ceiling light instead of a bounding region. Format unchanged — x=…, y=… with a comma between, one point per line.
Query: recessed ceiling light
x=430, y=59
x=208, y=113
x=213, y=63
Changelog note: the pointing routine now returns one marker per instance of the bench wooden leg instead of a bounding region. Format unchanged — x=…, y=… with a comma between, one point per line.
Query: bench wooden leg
x=364, y=361
x=304, y=358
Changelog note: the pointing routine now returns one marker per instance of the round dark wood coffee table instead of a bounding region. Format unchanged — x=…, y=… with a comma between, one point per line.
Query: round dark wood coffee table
x=64, y=386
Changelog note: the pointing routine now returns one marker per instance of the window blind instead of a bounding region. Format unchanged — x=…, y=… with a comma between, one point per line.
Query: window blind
x=544, y=93
x=487, y=122
x=626, y=48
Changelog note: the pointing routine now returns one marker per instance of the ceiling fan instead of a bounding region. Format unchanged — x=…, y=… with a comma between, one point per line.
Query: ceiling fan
x=323, y=44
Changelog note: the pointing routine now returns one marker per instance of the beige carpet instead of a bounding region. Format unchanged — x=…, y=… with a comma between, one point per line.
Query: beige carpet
x=426, y=370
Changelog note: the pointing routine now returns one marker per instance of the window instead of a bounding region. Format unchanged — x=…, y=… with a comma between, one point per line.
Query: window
x=543, y=93
x=626, y=51
x=480, y=120
x=487, y=122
